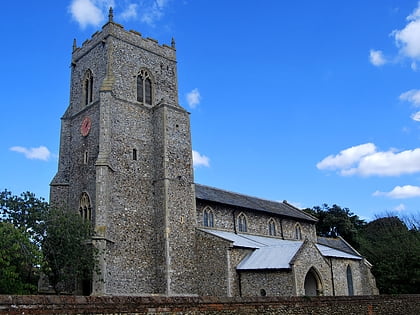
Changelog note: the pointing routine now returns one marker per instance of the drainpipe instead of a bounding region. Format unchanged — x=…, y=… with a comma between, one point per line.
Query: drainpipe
x=332, y=277
x=234, y=222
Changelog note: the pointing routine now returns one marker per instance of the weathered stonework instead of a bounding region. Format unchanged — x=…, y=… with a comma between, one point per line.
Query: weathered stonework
x=134, y=162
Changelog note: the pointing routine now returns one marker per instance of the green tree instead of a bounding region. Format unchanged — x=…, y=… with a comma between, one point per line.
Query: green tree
x=394, y=251
x=69, y=256
x=338, y=220
x=21, y=230
x=18, y=260
x=25, y=212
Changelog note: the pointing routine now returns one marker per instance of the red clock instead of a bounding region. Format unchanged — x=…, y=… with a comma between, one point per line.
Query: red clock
x=85, y=127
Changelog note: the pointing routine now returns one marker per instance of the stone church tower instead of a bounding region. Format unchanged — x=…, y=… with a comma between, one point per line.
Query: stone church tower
x=126, y=163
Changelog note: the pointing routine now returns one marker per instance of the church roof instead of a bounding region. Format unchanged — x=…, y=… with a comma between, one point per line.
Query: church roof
x=252, y=203
x=270, y=252
x=337, y=243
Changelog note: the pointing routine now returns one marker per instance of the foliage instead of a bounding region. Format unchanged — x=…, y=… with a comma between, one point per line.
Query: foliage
x=338, y=220
x=394, y=251
x=21, y=230
x=68, y=254
x=32, y=236
x=18, y=258
x=24, y=212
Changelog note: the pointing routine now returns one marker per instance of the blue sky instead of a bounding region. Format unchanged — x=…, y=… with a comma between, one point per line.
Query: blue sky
x=307, y=101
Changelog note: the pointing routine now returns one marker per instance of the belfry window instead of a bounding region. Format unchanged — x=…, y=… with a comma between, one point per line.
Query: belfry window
x=88, y=87
x=242, y=224
x=144, y=87
x=271, y=227
x=85, y=208
x=208, y=217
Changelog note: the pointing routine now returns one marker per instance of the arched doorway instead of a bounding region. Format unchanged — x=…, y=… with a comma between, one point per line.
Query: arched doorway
x=312, y=285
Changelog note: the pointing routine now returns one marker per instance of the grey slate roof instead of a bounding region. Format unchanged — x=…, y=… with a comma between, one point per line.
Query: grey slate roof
x=252, y=203
x=337, y=243
x=331, y=252
x=270, y=252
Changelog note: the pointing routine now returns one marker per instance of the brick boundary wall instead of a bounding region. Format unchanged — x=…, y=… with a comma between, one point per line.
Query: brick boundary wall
x=113, y=305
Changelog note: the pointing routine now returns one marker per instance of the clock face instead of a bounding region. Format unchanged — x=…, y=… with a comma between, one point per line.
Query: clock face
x=85, y=127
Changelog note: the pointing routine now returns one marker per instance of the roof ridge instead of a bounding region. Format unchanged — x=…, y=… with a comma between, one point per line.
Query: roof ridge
x=255, y=199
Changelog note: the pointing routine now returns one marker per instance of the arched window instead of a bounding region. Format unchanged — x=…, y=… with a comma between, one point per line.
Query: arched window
x=85, y=207
x=88, y=87
x=350, y=281
x=298, y=232
x=242, y=224
x=144, y=87
x=271, y=227
x=208, y=217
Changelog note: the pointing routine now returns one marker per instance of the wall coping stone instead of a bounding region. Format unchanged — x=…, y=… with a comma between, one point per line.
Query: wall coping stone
x=65, y=304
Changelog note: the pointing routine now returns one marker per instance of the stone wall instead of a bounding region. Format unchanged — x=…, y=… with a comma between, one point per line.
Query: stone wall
x=369, y=305
x=257, y=223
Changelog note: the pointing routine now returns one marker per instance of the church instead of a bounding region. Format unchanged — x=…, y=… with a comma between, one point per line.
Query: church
x=125, y=164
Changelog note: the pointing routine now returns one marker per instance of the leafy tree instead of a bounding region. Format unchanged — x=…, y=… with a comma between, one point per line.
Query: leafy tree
x=338, y=220
x=21, y=231
x=18, y=258
x=24, y=212
x=394, y=251
x=69, y=257
x=32, y=236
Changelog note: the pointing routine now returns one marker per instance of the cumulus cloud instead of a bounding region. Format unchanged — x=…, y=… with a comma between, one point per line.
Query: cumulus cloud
x=407, y=39
x=153, y=11
x=200, y=160
x=40, y=153
x=415, y=116
x=193, y=98
x=94, y=12
x=366, y=160
x=412, y=96
x=377, y=58
x=347, y=157
x=90, y=12
x=400, y=192
x=130, y=12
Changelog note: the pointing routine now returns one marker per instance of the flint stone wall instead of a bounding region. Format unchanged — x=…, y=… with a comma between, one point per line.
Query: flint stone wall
x=113, y=305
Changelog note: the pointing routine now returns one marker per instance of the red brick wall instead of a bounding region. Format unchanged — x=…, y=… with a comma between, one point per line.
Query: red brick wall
x=369, y=305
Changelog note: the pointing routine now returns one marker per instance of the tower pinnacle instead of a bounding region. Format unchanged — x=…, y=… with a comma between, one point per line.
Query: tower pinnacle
x=111, y=15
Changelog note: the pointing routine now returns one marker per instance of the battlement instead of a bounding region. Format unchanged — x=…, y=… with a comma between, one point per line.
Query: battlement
x=113, y=29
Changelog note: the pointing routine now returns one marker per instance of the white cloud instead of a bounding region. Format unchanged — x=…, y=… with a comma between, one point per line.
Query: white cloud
x=85, y=13
x=408, y=39
x=200, y=160
x=93, y=12
x=416, y=116
x=130, y=12
x=365, y=160
x=153, y=11
x=347, y=157
x=400, y=207
x=400, y=192
x=377, y=58
x=412, y=96
x=40, y=153
x=193, y=98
